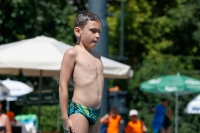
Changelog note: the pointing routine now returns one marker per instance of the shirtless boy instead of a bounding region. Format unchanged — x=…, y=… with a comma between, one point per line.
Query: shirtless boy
x=84, y=66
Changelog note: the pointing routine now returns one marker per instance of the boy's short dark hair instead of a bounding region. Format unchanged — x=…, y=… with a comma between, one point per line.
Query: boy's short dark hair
x=83, y=17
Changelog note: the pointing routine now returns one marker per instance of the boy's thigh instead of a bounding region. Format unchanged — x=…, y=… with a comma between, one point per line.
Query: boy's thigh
x=95, y=128
x=80, y=123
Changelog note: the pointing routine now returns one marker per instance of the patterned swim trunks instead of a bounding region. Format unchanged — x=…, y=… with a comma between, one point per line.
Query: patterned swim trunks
x=91, y=114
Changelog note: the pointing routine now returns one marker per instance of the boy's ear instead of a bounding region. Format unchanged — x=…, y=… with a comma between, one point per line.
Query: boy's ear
x=77, y=31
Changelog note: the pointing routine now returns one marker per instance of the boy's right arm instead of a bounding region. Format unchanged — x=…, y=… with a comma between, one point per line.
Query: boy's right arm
x=67, y=67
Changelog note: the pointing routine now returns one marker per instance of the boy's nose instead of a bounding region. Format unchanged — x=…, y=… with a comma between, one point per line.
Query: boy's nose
x=97, y=35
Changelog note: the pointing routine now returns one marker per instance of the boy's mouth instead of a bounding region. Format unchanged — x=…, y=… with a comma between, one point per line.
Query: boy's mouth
x=95, y=41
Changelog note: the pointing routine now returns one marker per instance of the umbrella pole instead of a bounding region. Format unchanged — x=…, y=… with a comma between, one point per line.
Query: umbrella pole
x=176, y=113
x=7, y=105
x=39, y=99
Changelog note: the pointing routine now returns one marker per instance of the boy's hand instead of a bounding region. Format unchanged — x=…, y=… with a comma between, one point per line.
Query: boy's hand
x=68, y=125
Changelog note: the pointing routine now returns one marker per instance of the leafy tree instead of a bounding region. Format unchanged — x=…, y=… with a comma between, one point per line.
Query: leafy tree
x=23, y=19
x=27, y=19
x=161, y=37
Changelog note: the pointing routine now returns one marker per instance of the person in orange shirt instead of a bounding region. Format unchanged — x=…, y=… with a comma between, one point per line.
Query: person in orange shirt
x=135, y=125
x=113, y=120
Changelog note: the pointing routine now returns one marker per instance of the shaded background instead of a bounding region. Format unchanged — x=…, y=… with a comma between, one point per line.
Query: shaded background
x=160, y=37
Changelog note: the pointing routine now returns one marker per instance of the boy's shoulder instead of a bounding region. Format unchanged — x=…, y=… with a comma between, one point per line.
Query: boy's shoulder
x=71, y=51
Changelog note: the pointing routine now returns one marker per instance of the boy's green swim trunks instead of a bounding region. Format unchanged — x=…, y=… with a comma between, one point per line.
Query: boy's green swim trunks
x=91, y=114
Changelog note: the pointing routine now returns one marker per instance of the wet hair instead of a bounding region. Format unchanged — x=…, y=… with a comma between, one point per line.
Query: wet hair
x=83, y=17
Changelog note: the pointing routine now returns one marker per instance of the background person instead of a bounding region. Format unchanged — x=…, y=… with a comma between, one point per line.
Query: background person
x=135, y=125
x=167, y=126
x=113, y=120
x=14, y=122
x=5, y=126
x=160, y=111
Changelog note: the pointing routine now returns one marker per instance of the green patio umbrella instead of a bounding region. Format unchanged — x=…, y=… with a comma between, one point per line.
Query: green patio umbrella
x=176, y=84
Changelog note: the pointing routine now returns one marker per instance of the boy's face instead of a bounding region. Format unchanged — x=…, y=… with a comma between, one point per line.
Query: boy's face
x=90, y=34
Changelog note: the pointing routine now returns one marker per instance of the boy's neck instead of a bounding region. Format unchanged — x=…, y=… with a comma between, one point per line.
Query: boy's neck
x=84, y=47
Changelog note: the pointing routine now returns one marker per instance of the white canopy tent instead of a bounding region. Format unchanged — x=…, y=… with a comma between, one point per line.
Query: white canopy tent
x=4, y=92
x=193, y=107
x=16, y=88
x=44, y=53
x=41, y=56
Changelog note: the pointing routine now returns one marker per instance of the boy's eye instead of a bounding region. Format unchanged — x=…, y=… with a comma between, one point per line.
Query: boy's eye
x=95, y=31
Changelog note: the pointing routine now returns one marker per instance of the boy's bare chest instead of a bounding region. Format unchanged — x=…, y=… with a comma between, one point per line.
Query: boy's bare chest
x=89, y=63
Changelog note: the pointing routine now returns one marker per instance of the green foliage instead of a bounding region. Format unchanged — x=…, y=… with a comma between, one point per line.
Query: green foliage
x=27, y=19
x=162, y=65
x=23, y=19
x=161, y=37
x=50, y=117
